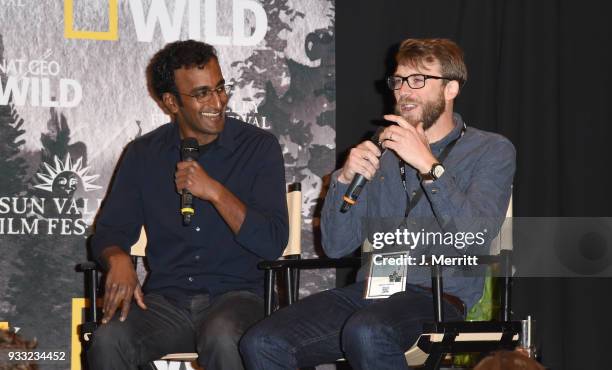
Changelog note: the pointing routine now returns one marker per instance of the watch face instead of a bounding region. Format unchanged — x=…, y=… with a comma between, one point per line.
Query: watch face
x=437, y=171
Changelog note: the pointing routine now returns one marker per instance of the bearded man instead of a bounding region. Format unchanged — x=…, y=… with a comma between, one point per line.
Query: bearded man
x=434, y=166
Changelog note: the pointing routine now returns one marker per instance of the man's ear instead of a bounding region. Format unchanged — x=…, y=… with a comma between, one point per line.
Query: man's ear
x=170, y=102
x=451, y=90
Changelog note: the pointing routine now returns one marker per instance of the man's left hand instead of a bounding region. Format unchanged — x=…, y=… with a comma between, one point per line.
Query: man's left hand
x=191, y=176
x=409, y=143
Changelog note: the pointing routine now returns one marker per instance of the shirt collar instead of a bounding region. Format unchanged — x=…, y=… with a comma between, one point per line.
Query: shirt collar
x=226, y=138
x=455, y=133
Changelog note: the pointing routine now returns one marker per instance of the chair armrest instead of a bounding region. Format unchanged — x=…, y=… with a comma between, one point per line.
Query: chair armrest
x=313, y=263
x=90, y=269
x=503, y=257
x=488, y=260
x=87, y=266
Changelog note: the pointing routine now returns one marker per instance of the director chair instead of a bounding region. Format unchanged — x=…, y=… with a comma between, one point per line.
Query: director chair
x=138, y=252
x=440, y=337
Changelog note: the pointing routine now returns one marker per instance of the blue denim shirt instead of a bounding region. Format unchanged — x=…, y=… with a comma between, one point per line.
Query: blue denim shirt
x=477, y=184
x=205, y=257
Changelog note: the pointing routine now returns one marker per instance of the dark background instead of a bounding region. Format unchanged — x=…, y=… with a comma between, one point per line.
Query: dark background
x=540, y=74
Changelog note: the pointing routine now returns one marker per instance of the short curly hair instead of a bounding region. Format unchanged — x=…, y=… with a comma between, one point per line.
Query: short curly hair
x=416, y=52
x=173, y=56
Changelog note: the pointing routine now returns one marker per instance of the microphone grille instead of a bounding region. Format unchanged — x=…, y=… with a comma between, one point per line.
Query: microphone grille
x=190, y=149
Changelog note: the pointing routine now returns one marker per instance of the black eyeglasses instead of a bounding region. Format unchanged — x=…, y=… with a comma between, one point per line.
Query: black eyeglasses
x=415, y=81
x=205, y=95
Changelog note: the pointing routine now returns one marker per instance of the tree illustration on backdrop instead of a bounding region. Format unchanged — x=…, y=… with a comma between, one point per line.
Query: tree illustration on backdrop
x=12, y=167
x=301, y=113
x=44, y=280
x=37, y=278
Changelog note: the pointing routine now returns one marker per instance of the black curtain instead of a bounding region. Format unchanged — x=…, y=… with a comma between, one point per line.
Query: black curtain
x=540, y=74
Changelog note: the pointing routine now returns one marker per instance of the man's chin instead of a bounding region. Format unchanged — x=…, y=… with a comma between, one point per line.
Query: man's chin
x=411, y=119
x=213, y=124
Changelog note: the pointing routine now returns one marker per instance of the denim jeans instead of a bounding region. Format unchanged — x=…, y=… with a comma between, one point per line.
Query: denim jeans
x=212, y=329
x=370, y=334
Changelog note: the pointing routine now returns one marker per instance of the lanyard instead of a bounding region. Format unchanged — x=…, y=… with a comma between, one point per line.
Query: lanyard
x=411, y=203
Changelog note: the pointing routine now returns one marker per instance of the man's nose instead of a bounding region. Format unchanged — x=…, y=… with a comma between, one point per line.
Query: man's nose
x=217, y=100
x=405, y=90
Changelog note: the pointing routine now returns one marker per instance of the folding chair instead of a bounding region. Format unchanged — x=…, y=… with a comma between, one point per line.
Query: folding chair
x=91, y=273
x=443, y=337
x=290, y=264
x=138, y=251
x=439, y=338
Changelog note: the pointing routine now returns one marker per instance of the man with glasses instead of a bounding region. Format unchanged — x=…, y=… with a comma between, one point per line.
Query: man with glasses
x=434, y=168
x=203, y=289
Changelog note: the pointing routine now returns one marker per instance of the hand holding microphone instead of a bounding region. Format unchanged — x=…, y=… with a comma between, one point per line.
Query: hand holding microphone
x=193, y=181
x=361, y=165
x=408, y=142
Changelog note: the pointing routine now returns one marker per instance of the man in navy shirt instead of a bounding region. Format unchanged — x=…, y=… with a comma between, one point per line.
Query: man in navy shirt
x=204, y=289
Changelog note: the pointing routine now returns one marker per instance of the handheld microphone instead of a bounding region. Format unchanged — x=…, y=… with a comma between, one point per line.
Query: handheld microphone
x=359, y=181
x=190, y=151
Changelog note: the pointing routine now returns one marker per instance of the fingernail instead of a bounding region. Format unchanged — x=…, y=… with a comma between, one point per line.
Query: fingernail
x=122, y=319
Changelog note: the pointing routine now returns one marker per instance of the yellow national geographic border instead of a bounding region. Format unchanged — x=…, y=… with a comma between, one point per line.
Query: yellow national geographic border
x=78, y=306
x=113, y=24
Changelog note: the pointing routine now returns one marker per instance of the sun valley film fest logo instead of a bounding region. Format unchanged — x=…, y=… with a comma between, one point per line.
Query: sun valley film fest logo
x=65, y=177
x=66, y=212
x=38, y=82
x=171, y=21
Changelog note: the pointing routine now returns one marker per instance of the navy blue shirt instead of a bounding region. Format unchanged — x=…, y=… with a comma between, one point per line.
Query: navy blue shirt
x=476, y=185
x=205, y=257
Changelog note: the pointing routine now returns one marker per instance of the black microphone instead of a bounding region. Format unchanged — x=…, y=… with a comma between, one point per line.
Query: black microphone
x=359, y=181
x=190, y=151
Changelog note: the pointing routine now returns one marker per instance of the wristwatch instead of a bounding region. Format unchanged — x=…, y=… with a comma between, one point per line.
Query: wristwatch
x=437, y=170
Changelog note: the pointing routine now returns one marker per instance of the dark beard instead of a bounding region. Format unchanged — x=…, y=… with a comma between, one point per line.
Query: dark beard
x=431, y=112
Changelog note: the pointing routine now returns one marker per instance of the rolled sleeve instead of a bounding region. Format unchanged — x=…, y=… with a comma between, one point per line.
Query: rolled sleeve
x=265, y=229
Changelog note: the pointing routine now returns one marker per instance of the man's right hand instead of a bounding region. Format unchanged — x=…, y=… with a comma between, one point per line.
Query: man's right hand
x=362, y=159
x=121, y=284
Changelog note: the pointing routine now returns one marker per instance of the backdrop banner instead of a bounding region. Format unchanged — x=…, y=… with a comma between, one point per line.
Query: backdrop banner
x=73, y=94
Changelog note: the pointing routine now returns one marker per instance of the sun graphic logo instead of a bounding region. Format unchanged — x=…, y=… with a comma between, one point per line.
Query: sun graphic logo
x=64, y=178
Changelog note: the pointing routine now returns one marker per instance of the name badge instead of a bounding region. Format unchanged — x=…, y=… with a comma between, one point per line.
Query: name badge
x=387, y=274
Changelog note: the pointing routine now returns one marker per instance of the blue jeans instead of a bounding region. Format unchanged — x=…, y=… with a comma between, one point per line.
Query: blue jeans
x=370, y=334
x=210, y=328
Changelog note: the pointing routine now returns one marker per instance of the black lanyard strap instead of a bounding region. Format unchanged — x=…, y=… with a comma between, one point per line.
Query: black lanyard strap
x=412, y=202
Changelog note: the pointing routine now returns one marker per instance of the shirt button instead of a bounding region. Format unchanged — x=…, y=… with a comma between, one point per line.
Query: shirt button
x=434, y=190
x=414, y=193
x=197, y=257
x=197, y=228
x=190, y=279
